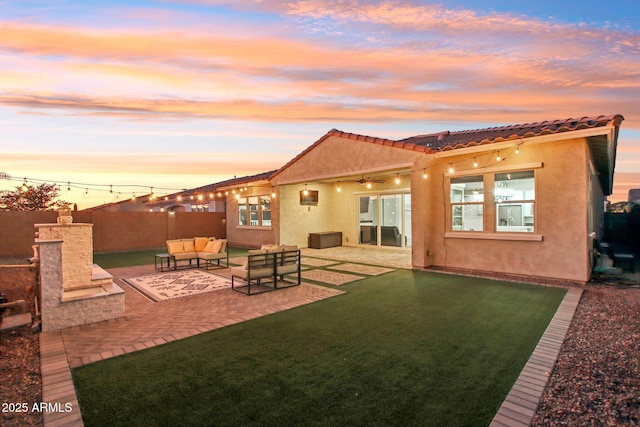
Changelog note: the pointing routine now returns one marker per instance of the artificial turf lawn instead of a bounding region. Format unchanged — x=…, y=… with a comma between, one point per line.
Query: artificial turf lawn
x=405, y=348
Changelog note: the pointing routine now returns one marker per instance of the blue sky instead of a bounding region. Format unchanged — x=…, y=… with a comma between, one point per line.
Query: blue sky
x=176, y=95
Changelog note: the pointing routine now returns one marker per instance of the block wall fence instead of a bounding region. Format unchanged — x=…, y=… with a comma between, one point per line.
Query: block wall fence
x=112, y=231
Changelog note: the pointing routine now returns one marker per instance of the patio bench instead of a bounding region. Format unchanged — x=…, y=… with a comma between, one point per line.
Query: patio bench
x=207, y=249
x=265, y=269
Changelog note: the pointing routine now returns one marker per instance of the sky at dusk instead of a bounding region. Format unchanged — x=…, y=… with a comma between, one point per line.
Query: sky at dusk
x=129, y=95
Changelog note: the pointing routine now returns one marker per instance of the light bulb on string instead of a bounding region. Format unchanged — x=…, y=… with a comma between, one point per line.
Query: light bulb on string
x=475, y=162
x=68, y=188
x=86, y=192
x=424, y=174
x=450, y=167
x=111, y=191
x=498, y=158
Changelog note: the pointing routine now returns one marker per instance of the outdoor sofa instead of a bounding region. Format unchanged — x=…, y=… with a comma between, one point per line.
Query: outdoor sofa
x=209, y=250
x=265, y=269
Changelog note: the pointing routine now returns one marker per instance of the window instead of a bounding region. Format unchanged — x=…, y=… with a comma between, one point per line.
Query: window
x=515, y=197
x=254, y=211
x=265, y=206
x=467, y=199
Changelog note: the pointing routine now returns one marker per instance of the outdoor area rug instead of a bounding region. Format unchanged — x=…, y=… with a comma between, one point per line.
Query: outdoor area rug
x=176, y=284
x=369, y=270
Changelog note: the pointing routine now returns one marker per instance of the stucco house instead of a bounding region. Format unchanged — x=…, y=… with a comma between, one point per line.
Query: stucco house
x=524, y=200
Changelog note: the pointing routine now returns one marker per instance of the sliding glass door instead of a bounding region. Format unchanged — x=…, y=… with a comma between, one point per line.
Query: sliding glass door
x=385, y=219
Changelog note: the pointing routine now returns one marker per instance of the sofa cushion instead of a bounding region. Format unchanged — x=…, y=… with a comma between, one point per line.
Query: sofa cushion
x=188, y=245
x=256, y=273
x=200, y=243
x=175, y=247
x=288, y=268
x=211, y=255
x=185, y=255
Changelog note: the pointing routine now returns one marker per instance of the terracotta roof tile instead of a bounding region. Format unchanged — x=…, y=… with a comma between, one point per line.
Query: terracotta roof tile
x=468, y=138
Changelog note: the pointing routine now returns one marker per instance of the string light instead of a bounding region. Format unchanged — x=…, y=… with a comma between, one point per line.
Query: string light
x=24, y=187
x=305, y=192
x=424, y=174
x=498, y=158
x=68, y=188
x=397, y=179
x=86, y=192
x=518, y=149
x=111, y=191
x=450, y=167
x=475, y=163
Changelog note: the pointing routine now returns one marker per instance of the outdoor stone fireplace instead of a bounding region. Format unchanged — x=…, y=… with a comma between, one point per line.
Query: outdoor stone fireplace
x=73, y=290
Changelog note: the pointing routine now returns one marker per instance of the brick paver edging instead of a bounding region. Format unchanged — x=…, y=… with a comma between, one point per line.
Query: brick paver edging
x=57, y=385
x=521, y=404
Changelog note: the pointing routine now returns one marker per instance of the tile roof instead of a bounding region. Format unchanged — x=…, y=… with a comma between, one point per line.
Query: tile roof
x=468, y=138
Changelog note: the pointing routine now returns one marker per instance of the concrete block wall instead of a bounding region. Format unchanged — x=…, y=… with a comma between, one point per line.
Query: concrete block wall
x=112, y=231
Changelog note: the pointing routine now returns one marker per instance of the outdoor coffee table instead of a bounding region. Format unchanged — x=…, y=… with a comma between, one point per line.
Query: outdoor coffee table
x=159, y=262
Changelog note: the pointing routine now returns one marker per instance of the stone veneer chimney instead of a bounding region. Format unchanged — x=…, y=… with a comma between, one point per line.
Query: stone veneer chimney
x=77, y=252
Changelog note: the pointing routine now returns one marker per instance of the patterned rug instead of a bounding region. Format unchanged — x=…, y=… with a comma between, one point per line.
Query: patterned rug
x=176, y=284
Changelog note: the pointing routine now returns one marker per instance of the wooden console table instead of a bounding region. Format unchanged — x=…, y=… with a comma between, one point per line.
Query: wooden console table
x=326, y=239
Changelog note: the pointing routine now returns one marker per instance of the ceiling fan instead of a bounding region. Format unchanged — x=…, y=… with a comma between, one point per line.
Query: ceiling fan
x=368, y=180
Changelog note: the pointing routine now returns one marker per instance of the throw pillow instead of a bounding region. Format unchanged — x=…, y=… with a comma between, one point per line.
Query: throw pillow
x=200, y=243
x=217, y=245
x=188, y=245
x=175, y=247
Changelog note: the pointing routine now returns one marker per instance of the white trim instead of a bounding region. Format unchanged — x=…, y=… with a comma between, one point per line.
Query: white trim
x=472, y=172
x=562, y=136
x=525, y=237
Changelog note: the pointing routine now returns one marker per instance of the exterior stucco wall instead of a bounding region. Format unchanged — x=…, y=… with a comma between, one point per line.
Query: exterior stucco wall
x=331, y=213
x=337, y=156
x=561, y=217
x=249, y=236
